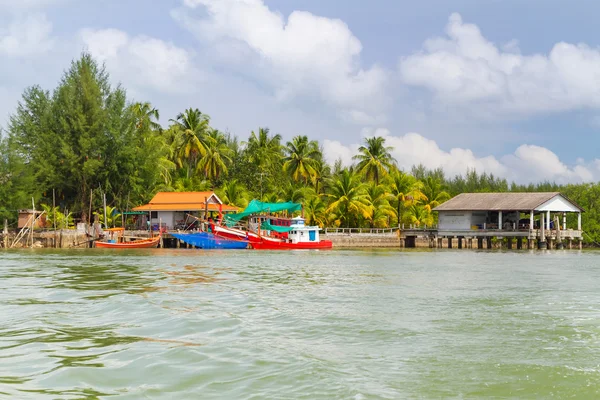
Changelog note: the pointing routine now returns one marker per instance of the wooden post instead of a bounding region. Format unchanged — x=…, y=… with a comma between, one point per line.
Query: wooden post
x=480, y=243
x=460, y=242
x=449, y=242
x=579, y=221
x=5, y=234
x=54, y=214
x=105, y=219
x=500, y=220
x=564, y=221
x=205, y=208
x=489, y=243
x=519, y=243
x=90, y=212
x=32, y=221
x=509, y=243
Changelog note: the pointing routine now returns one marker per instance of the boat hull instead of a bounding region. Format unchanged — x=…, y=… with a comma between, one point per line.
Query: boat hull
x=138, y=244
x=206, y=240
x=281, y=245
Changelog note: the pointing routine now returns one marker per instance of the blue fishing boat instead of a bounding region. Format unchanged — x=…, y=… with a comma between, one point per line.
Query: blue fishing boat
x=205, y=240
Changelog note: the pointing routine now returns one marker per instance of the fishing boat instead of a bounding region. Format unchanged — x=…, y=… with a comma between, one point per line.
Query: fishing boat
x=205, y=240
x=116, y=240
x=267, y=232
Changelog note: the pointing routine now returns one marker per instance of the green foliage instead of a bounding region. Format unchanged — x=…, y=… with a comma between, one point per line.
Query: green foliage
x=85, y=138
x=55, y=218
x=113, y=217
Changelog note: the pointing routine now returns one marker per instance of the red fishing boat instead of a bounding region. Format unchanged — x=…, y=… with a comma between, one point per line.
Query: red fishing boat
x=116, y=240
x=266, y=232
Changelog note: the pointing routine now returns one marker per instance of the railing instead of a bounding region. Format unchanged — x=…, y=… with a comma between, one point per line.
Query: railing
x=360, y=231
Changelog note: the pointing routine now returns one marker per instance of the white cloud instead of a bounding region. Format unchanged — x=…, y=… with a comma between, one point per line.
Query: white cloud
x=527, y=164
x=26, y=36
x=465, y=69
x=142, y=61
x=304, y=56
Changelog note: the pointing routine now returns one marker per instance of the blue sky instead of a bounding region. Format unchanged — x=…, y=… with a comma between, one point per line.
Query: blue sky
x=503, y=86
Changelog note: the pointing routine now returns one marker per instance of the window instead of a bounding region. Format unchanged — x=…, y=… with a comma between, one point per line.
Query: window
x=154, y=214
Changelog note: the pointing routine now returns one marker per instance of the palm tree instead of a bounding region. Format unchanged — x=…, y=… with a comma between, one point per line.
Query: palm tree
x=348, y=198
x=405, y=189
x=301, y=159
x=217, y=155
x=419, y=215
x=323, y=172
x=191, y=127
x=375, y=160
x=292, y=192
x=315, y=211
x=233, y=193
x=146, y=117
x=381, y=210
x=433, y=192
x=264, y=150
x=185, y=183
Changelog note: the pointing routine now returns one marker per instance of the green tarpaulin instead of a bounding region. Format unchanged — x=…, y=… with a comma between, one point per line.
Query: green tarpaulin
x=258, y=207
x=268, y=227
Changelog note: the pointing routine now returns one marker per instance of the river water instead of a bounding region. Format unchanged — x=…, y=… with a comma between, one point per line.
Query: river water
x=183, y=324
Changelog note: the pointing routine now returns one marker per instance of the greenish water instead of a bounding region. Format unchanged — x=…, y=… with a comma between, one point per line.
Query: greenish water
x=186, y=324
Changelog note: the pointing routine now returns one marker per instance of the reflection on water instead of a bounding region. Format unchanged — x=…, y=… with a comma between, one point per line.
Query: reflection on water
x=339, y=324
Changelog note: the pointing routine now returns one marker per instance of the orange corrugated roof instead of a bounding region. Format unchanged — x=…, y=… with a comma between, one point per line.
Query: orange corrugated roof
x=184, y=207
x=184, y=201
x=181, y=197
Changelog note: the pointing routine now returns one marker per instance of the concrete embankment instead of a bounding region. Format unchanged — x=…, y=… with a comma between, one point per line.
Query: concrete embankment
x=66, y=238
x=363, y=240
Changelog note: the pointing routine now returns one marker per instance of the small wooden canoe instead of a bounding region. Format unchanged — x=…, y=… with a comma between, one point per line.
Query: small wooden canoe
x=136, y=244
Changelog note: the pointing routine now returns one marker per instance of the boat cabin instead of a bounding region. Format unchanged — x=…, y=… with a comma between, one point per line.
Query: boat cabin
x=301, y=233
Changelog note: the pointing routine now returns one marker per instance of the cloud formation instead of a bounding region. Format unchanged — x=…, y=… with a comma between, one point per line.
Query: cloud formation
x=466, y=69
x=303, y=56
x=26, y=36
x=527, y=164
x=142, y=61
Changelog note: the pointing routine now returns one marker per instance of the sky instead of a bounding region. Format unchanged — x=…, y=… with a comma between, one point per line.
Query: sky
x=500, y=86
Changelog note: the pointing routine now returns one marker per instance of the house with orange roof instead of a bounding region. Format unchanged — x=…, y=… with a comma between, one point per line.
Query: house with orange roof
x=173, y=209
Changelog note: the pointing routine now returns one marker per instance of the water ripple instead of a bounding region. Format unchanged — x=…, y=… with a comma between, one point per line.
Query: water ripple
x=306, y=325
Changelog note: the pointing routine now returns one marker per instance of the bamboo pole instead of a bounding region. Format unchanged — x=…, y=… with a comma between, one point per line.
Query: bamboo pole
x=105, y=219
x=6, y=233
x=32, y=221
x=54, y=214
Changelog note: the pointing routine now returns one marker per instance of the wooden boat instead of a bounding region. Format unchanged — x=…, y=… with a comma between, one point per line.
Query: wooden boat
x=205, y=240
x=273, y=233
x=120, y=243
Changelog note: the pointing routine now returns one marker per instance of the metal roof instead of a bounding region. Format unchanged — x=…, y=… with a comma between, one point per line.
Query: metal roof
x=185, y=201
x=499, y=201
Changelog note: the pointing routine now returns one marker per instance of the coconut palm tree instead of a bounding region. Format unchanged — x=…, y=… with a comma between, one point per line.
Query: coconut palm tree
x=217, y=155
x=374, y=159
x=405, y=189
x=419, y=215
x=233, y=193
x=301, y=159
x=191, y=127
x=263, y=149
x=293, y=192
x=323, y=173
x=349, y=199
x=146, y=117
x=381, y=210
x=434, y=192
x=315, y=211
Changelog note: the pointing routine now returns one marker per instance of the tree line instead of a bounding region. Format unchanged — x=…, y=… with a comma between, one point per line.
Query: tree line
x=85, y=139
